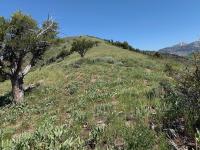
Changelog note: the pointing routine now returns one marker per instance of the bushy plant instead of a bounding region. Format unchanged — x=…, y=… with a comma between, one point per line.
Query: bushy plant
x=72, y=88
x=63, y=54
x=81, y=46
x=51, y=60
x=124, y=45
x=169, y=69
x=157, y=55
x=183, y=101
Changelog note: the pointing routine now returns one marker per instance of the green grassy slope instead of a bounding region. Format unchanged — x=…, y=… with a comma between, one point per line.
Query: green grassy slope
x=105, y=97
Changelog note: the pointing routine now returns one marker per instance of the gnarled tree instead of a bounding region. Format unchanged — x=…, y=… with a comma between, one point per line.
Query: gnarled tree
x=22, y=44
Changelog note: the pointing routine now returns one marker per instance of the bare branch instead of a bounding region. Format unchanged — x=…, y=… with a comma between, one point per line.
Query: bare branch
x=1, y=62
x=174, y=145
x=26, y=70
x=45, y=30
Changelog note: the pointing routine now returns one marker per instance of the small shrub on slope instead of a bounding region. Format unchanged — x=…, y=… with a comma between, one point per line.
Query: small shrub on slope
x=81, y=46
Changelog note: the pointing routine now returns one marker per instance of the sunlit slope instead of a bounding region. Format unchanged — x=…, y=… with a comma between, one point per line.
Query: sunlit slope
x=110, y=87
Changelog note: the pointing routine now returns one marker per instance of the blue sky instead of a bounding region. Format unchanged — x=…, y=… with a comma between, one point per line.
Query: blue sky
x=146, y=24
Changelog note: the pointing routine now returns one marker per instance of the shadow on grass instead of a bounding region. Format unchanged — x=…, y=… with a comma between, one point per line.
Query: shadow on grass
x=5, y=100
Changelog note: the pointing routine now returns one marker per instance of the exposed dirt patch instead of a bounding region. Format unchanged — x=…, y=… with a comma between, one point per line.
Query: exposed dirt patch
x=101, y=121
x=114, y=102
x=148, y=70
x=119, y=143
x=94, y=78
x=129, y=120
x=85, y=131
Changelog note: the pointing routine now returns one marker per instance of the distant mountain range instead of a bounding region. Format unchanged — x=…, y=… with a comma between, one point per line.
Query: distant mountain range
x=182, y=49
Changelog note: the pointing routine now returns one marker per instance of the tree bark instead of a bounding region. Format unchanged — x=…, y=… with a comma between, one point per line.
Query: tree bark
x=82, y=55
x=17, y=89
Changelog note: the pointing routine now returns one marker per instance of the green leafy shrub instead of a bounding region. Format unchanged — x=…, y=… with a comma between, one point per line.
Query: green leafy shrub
x=46, y=137
x=72, y=88
x=95, y=136
x=103, y=108
x=124, y=45
x=169, y=70
x=51, y=60
x=157, y=55
x=63, y=54
x=79, y=116
x=81, y=46
x=182, y=101
x=139, y=138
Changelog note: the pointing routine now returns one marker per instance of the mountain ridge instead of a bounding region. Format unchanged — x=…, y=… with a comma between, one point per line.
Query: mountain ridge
x=182, y=49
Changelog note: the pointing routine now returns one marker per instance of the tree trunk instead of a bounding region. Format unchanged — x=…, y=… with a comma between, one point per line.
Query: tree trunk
x=82, y=55
x=17, y=89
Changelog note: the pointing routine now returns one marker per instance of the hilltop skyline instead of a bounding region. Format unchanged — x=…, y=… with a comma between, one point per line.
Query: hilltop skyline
x=147, y=25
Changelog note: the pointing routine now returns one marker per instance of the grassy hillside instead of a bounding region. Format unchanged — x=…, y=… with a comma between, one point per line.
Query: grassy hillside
x=104, y=101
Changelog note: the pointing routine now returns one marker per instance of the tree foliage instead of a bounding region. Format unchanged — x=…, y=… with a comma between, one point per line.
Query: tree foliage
x=52, y=32
x=22, y=44
x=124, y=45
x=82, y=45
